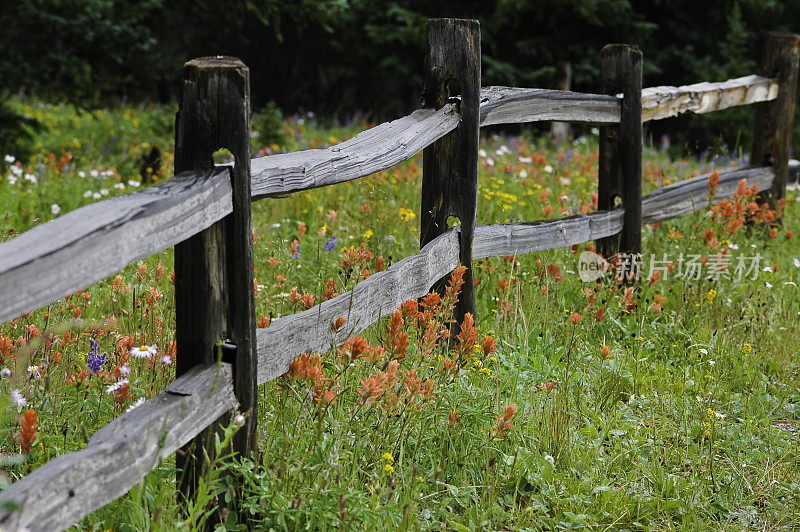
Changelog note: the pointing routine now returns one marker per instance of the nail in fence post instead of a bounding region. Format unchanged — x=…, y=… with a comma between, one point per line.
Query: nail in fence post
x=772, y=135
x=620, y=163
x=450, y=165
x=214, y=268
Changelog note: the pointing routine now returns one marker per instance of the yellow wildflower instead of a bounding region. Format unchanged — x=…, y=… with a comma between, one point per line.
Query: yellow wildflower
x=388, y=469
x=388, y=458
x=406, y=214
x=710, y=296
x=747, y=348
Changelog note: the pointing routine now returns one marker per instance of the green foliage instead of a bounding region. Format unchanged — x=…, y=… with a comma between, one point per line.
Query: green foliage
x=340, y=58
x=16, y=132
x=81, y=49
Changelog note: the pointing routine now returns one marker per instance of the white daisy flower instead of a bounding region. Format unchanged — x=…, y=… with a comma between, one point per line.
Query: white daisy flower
x=133, y=183
x=9, y=159
x=145, y=351
x=124, y=370
x=81, y=173
x=117, y=386
x=55, y=208
x=796, y=263
x=548, y=169
x=87, y=194
x=526, y=160
x=166, y=360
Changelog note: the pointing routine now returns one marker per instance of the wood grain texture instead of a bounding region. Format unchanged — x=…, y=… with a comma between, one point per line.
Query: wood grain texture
x=671, y=201
x=691, y=195
x=214, y=268
x=378, y=296
x=514, y=105
x=390, y=143
x=450, y=165
x=772, y=134
x=88, y=244
x=502, y=240
x=665, y=101
x=118, y=456
x=368, y=152
x=620, y=150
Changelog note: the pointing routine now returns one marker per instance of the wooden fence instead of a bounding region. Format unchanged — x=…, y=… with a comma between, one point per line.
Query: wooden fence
x=204, y=212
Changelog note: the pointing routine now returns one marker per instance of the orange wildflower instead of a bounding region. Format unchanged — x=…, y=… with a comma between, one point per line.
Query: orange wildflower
x=397, y=339
x=27, y=434
x=505, y=423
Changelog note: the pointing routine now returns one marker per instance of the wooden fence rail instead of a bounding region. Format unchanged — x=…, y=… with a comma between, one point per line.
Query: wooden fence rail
x=205, y=212
x=87, y=245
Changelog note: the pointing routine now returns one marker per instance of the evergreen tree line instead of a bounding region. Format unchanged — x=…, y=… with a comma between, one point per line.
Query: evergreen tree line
x=343, y=58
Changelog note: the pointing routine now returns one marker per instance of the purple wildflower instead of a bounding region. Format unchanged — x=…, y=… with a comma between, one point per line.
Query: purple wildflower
x=95, y=359
x=330, y=244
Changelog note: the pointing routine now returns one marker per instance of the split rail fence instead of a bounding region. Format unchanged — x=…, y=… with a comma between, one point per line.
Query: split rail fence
x=204, y=211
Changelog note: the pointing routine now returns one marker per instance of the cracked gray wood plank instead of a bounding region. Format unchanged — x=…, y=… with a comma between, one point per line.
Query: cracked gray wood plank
x=87, y=245
x=671, y=201
x=119, y=455
x=515, y=105
x=370, y=151
x=378, y=296
x=665, y=101
x=691, y=195
x=520, y=238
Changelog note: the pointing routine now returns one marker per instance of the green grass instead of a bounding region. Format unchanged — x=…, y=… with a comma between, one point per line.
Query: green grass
x=688, y=420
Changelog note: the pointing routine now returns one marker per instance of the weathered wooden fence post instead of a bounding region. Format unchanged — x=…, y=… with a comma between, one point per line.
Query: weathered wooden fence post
x=620, y=163
x=214, y=269
x=772, y=135
x=450, y=165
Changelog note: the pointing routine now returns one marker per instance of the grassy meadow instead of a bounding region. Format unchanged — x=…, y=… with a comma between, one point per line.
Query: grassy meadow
x=562, y=405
